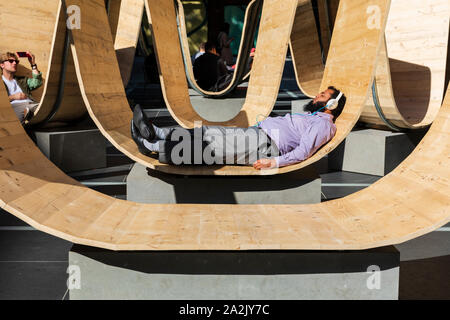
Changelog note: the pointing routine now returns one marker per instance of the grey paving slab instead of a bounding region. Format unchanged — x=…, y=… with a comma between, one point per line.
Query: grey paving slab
x=431, y=245
x=7, y=219
x=425, y=278
x=36, y=281
x=348, y=177
x=32, y=246
x=109, y=171
x=339, y=192
x=113, y=191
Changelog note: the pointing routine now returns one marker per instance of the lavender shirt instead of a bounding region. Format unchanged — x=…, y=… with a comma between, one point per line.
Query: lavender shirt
x=298, y=136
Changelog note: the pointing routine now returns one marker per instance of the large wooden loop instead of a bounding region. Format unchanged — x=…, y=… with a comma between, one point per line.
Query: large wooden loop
x=411, y=70
x=125, y=17
x=409, y=202
x=109, y=108
x=248, y=36
x=43, y=33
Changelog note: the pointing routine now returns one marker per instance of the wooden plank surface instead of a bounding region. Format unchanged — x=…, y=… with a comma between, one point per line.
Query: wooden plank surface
x=109, y=108
x=409, y=202
x=248, y=34
x=127, y=25
x=43, y=33
x=275, y=27
x=411, y=73
x=305, y=50
x=38, y=35
x=411, y=70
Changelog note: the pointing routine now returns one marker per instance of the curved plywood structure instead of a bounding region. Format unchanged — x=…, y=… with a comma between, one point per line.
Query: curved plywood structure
x=276, y=24
x=248, y=36
x=109, y=108
x=410, y=75
x=43, y=33
x=42, y=42
x=306, y=51
x=409, y=202
x=125, y=17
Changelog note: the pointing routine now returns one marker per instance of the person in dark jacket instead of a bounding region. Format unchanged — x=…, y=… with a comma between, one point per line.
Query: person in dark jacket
x=209, y=68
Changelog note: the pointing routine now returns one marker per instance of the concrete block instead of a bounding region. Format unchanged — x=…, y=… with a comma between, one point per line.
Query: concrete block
x=149, y=186
x=237, y=275
x=73, y=149
x=370, y=151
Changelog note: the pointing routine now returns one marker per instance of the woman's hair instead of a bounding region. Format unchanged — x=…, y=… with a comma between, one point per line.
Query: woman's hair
x=337, y=112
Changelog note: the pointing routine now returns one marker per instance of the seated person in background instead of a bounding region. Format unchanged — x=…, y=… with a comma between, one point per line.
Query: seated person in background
x=200, y=52
x=277, y=141
x=19, y=88
x=209, y=68
x=224, y=44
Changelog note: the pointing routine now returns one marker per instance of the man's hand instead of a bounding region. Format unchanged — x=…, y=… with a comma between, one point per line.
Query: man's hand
x=265, y=164
x=31, y=58
x=17, y=96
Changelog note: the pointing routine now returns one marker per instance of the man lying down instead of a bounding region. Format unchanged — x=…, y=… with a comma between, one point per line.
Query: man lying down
x=273, y=142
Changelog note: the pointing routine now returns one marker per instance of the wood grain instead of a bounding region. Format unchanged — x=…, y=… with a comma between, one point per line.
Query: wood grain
x=43, y=33
x=248, y=34
x=410, y=76
x=275, y=27
x=409, y=202
x=125, y=18
x=305, y=50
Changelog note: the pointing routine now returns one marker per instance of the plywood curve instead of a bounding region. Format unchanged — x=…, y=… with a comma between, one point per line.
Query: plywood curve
x=43, y=33
x=109, y=108
x=275, y=28
x=410, y=75
x=41, y=42
x=125, y=18
x=248, y=33
x=305, y=50
x=409, y=202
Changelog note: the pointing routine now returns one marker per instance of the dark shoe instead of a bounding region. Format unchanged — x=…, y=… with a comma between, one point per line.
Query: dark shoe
x=28, y=115
x=143, y=124
x=139, y=140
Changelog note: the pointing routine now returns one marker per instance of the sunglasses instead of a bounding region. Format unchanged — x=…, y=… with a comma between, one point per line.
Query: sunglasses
x=12, y=61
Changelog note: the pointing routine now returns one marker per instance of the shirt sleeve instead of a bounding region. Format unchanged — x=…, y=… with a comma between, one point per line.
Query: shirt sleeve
x=296, y=155
x=316, y=137
x=35, y=82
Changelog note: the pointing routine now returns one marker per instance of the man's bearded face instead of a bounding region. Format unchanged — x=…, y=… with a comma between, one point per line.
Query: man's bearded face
x=314, y=107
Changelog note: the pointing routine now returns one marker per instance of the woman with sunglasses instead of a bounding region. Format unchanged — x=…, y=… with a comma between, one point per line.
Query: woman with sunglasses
x=19, y=87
